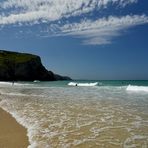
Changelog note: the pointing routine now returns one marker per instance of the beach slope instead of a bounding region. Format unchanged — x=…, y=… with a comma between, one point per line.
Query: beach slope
x=12, y=134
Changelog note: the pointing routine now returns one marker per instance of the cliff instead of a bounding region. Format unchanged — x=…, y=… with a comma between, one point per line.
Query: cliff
x=16, y=66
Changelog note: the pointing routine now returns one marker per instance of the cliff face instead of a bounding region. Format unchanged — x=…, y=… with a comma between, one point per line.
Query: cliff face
x=23, y=67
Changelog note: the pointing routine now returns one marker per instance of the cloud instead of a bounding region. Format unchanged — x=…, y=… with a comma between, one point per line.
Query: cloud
x=100, y=31
x=59, y=14
x=25, y=11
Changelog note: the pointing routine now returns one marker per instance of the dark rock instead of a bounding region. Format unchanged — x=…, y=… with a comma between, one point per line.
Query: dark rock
x=24, y=67
x=58, y=77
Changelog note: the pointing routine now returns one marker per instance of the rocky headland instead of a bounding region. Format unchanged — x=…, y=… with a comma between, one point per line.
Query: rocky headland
x=16, y=66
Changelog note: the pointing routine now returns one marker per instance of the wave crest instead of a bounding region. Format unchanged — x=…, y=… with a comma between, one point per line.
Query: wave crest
x=82, y=84
x=137, y=88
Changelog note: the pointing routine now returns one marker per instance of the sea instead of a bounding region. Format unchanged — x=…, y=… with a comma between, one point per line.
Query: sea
x=113, y=114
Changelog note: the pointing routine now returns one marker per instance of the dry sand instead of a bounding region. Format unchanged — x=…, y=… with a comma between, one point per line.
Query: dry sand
x=12, y=134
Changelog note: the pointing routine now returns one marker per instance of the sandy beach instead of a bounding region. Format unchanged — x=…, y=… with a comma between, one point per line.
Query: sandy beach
x=12, y=134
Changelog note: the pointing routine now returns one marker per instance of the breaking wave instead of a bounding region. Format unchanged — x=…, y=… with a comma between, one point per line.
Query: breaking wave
x=137, y=88
x=82, y=84
x=15, y=84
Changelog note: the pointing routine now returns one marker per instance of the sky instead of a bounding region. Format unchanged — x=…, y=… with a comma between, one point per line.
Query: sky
x=83, y=39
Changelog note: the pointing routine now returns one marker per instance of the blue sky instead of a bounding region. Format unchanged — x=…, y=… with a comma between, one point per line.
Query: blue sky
x=85, y=39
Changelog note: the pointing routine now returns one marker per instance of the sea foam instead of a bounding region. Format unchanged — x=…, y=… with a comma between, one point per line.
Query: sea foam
x=82, y=84
x=137, y=88
x=78, y=116
x=2, y=83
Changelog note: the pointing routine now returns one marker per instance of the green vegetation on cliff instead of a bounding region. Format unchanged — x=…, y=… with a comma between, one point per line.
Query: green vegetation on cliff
x=12, y=58
x=15, y=57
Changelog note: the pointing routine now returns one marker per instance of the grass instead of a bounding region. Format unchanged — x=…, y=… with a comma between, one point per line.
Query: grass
x=14, y=57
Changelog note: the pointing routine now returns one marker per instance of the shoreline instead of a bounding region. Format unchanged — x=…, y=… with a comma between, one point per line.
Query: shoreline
x=12, y=134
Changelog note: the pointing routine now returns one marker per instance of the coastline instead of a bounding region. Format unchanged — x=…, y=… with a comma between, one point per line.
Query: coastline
x=12, y=134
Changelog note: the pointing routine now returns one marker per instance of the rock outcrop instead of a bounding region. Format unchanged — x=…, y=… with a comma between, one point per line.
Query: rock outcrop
x=16, y=66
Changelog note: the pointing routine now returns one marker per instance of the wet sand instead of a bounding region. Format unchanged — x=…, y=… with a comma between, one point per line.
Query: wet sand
x=12, y=134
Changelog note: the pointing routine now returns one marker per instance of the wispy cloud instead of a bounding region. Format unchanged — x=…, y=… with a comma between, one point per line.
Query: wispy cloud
x=92, y=30
x=101, y=31
x=71, y=5
x=25, y=11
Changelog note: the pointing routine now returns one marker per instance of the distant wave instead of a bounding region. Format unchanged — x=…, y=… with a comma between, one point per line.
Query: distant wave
x=11, y=83
x=82, y=84
x=5, y=83
x=36, y=81
x=137, y=88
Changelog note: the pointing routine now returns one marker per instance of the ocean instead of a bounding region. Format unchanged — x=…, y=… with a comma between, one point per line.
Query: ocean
x=113, y=114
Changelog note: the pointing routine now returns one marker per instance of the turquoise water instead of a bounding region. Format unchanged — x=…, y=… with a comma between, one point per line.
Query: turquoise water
x=111, y=114
x=100, y=83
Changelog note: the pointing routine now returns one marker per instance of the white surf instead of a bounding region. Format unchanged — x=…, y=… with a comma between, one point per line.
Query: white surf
x=82, y=84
